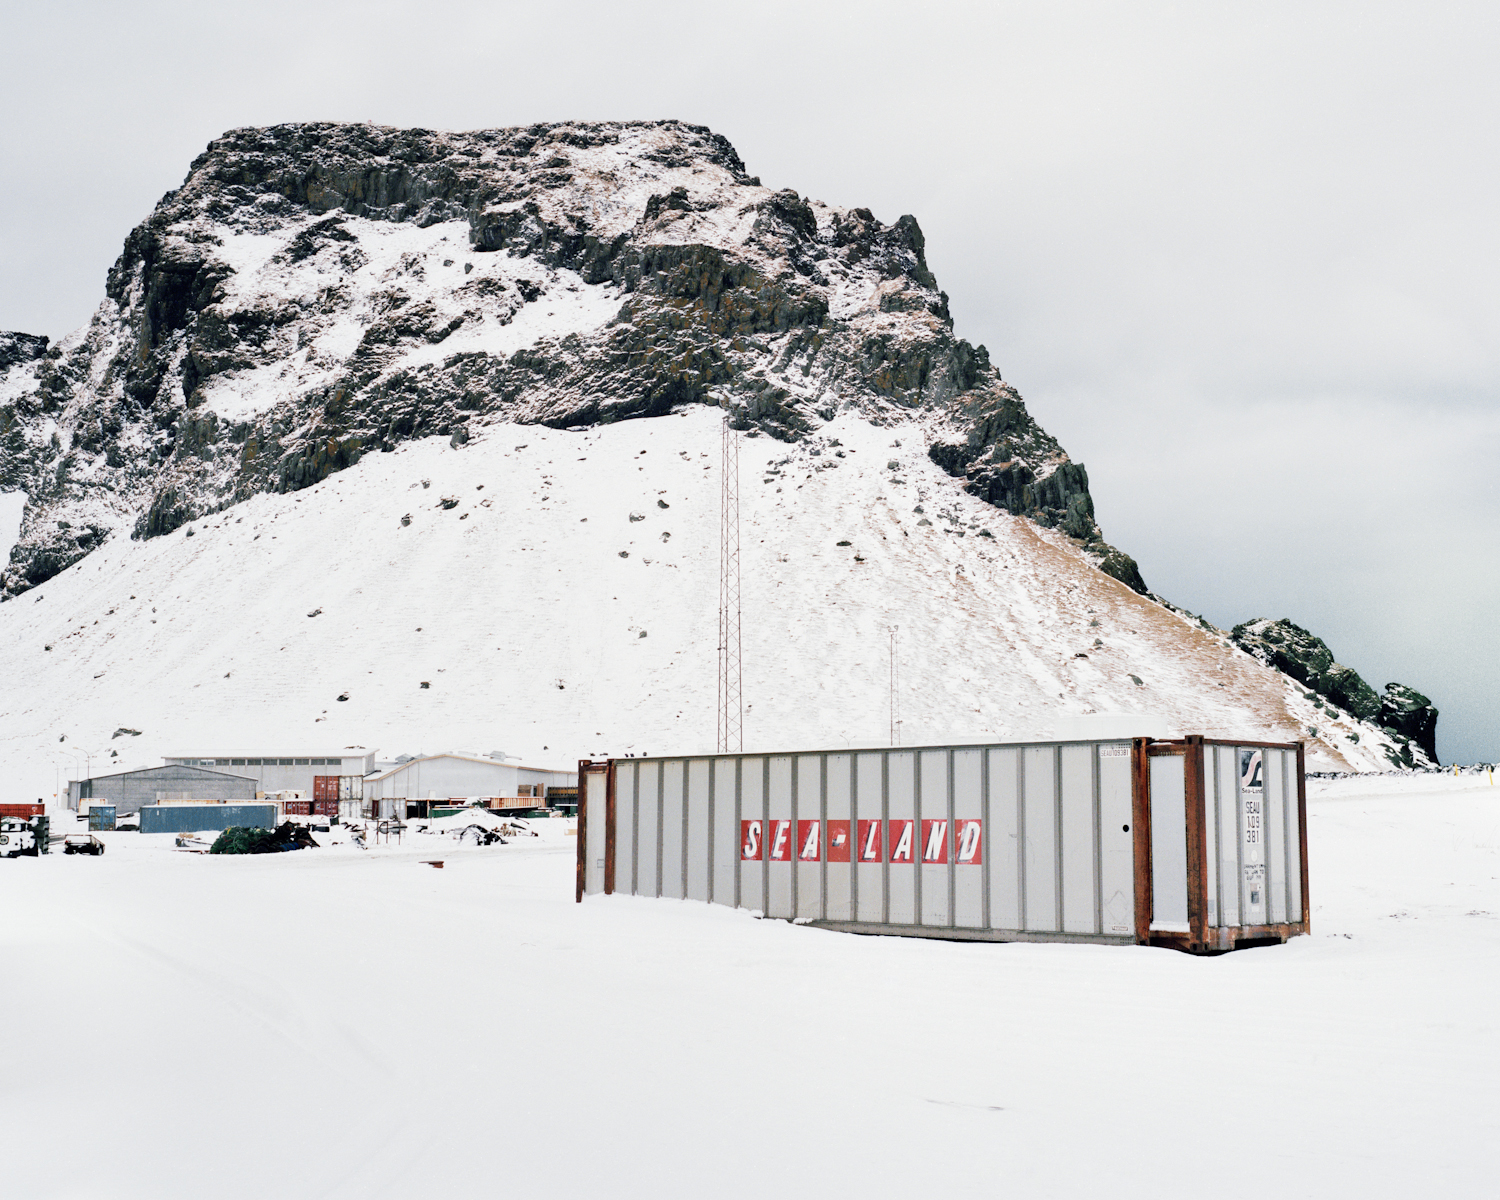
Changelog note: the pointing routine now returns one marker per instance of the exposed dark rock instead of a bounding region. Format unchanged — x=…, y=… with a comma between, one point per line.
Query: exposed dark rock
x=722, y=293
x=18, y=348
x=1402, y=711
x=1409, y=715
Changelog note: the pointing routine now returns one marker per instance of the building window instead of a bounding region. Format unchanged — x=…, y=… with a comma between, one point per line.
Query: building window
x=252, y=762
x=236, y=762
x=302, y=762
x=284, y=762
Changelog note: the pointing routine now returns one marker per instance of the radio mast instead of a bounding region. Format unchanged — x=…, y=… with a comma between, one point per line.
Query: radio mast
x=731, y=719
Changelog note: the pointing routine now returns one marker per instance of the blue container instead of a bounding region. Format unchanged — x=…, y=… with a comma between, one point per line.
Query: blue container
x=196, y=818
x=101, y=816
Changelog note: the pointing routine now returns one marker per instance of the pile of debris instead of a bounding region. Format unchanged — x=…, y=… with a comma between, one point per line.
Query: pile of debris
x=240, y=840
x=478, y=827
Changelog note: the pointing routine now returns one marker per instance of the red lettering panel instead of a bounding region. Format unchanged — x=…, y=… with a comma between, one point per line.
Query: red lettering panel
x=935, y=841
x=838, y=841
x=901, y=838
x=871, y=844
x=968, y=847
x=781, y=841
x=809, y=841
x=750, y=841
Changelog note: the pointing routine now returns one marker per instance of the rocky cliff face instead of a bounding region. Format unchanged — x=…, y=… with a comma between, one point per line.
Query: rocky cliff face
x=1403, y=712
x=312, y=293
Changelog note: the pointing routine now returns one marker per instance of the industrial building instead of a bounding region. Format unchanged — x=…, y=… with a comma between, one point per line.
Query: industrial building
x=296, y=771
x=129, y=790
x=329, y=782
x=440, y=776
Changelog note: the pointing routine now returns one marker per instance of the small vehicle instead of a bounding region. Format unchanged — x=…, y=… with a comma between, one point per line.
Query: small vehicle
x=17, y=837
x=82, y=843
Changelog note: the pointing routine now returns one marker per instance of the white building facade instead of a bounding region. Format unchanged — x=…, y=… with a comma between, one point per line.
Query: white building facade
x=448, y=776
x=283, y=771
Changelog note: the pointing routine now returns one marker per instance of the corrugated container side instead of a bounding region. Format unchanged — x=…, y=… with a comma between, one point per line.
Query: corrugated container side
x=182, y=818
x=901, y=837
x=1007, y=870
x=755, y=826
x=625, y=826
x=1117, y=847
x=700, y=816
x=867, y=809
x=724, y=837
x=673, y=829
x=968, y=839
x=838, y=897
x=1035, y=841
x=808, y=835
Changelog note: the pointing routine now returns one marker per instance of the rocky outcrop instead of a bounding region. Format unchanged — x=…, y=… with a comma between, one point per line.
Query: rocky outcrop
x=315, y=292
x=19, y=348
x=1403, y=712
x=1409, y=715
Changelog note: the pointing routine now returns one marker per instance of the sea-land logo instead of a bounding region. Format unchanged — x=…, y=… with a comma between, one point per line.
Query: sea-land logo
x=873, y=841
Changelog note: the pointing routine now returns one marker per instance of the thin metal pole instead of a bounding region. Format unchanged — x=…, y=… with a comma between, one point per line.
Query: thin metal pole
x=895, y=689
x=730, y=734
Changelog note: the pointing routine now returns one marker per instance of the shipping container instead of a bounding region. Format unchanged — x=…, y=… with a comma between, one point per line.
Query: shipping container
x=101, y=817
x=1192, y=843
x=22, y=810
x=185, y=818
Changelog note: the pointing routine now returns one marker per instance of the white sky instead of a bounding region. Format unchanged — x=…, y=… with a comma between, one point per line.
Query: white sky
x=1241, y=260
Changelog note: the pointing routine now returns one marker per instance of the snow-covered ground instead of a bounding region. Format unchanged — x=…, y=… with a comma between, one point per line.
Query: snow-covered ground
x=335, y=1023
x=565, y=604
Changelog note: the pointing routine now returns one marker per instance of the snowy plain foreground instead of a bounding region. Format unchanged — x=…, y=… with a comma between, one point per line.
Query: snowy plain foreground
x=337, y=1023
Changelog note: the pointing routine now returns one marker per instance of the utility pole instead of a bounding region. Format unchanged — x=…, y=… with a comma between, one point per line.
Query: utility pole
x=731, y=709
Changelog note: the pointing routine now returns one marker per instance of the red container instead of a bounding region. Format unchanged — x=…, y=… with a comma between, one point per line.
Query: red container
x=326, y=787
x=298, y=808
x=22, y=810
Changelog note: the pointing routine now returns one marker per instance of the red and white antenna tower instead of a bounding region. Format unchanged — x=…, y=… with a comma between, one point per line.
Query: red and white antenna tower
x=731, y=732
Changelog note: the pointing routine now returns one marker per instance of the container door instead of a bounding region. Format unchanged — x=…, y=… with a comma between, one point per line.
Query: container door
x=1250, y=789
x=1169, y=898
x=1273, y=788
x=1226, y=833
x=593, y=875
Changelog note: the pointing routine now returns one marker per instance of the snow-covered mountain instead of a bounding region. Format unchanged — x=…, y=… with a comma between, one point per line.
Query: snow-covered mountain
x=488, y=309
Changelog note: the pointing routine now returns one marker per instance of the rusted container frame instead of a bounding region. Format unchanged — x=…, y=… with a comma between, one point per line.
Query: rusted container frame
x=1204, y=938
x=587, y=767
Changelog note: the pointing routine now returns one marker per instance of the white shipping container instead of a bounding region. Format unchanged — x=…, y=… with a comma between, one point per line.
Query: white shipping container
x=1191, y=843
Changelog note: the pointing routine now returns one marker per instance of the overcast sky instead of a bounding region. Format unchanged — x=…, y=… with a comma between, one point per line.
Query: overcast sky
x=1240, y=259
